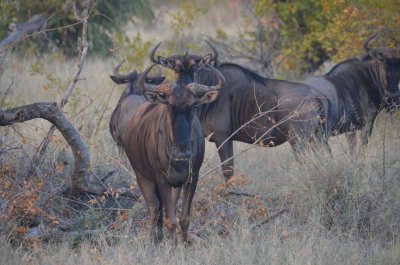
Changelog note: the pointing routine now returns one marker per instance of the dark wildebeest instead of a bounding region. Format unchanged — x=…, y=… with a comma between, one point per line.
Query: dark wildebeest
x=250, y=108
x=165, y=145
x=127, y=105
x=356, y=90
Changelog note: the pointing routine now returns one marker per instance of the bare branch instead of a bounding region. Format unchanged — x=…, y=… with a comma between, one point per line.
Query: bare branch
x=52, y=113
x=270, y=218
x=83, y=181
x=76, y=11
x=81, y=60
x=22, y=31
x=82, y=53
x=238, y=193
x=7, y=90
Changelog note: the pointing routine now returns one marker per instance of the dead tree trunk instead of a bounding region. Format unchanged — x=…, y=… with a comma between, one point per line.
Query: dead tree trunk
x=22, y=31
x=82, y=180
x=81, y=60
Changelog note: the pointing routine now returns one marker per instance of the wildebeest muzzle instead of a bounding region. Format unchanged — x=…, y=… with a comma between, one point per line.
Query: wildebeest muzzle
x=181, y=154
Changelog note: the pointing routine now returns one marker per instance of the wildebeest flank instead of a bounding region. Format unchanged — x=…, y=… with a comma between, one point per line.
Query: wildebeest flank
x=357, y=89
x=250, y=108
x=165, y=145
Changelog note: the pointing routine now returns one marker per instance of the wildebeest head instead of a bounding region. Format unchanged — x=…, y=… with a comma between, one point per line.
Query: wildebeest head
x=184, y=66
x=132, y=77
x=181, y=101
x=389, y=58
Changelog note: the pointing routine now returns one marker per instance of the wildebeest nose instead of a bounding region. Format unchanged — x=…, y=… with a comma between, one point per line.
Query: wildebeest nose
x=181, y=153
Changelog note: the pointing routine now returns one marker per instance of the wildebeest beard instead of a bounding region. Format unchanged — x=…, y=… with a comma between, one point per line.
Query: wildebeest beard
x=180, y=150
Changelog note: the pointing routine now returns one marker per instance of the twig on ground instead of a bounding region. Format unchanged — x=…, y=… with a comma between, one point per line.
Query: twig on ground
x=270, y=218
x=237, y=193
x=6, y=93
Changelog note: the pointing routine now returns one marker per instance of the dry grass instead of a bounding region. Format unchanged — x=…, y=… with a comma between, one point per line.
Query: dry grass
x=339, y=210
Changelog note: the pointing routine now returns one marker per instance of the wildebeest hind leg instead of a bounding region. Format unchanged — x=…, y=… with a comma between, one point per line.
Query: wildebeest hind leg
x=365, y=135
x=225, y=151
x=149, y=194
x=351, y=140
x=297, y=150
x=184, y=219
x=321, y=140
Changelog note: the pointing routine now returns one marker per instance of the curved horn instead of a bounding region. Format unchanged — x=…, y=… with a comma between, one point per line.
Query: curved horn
x=116, y=69
x=366, y=43
x=215, y=52
x=153, y=52
x=141, y=83
x=122, y=78
x=200, y=88
x=157, y=74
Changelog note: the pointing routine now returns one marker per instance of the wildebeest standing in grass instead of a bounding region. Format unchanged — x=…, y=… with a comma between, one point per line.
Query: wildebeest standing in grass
x=165, y=146
x=250, y=108
x=356, y=90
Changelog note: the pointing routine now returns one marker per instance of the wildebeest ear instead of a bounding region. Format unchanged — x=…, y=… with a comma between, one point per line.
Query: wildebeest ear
x=165, y=62
x=207, y=97
x=155, y=97
x=155, y=80
x=376, y=54
x=123, y=79
x=205, y=60
x=118, y=80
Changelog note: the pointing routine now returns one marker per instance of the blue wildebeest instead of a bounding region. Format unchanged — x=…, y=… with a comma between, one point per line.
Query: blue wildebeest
x=131, y=98
x=163, y=140
x=357, y=89
x=250, y=108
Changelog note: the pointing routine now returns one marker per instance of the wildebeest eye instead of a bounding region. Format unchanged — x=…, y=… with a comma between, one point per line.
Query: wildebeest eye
x=200, y=94
x=194, y=67
x=151, y=96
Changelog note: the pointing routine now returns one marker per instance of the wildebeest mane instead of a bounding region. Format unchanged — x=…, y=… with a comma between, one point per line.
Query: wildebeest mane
x=205, y=75
x=251, y=75
x=337, y=66
x=349, y=78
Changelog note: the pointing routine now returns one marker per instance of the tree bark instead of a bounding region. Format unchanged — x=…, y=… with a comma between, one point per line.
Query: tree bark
x=82, y=180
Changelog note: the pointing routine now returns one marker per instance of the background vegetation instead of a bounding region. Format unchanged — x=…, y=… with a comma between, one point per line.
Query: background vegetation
x=327, y=211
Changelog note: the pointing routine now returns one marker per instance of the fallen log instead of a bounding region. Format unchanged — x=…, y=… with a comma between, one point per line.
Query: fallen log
x=83, y=181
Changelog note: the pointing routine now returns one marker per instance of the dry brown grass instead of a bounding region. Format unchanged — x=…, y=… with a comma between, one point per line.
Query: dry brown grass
x=337, y=210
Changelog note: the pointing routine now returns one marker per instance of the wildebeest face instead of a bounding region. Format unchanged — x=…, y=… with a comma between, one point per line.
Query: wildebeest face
x=181, y=101
x=390, y=60
x=184, y=66
x=392, y=64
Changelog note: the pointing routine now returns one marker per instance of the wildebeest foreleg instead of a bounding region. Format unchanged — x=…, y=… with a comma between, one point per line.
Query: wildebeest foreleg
x=225, y=151
x=154, y=205
x=352, y=142
x=184, y=219
x=170, y=209
x=159, y=211
x=366, y=132
x=175, y=195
